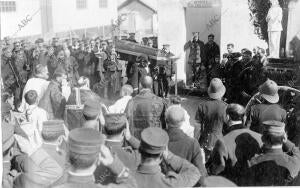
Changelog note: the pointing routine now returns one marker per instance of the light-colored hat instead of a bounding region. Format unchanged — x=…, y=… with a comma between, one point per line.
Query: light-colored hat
x=269, y=91
x=216, y=89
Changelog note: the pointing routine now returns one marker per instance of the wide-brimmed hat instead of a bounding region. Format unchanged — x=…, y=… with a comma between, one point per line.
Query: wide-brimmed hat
x=269, y=91
x=216, y=89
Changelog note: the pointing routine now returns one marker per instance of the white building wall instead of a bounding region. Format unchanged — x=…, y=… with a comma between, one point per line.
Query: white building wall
x=172, y=30
x=10, y=20
x=293, y=29
x=67, y=17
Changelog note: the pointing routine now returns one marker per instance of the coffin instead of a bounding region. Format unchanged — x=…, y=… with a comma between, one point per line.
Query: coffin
x=136, y=49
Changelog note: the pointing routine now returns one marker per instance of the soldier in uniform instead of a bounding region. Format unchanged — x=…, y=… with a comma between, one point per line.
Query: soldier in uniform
x=85, y=146
x=79, y=55
x=116, y=130
x=112, y=75
x=197, y=54
x=210, y=116
x=211, y=49
x=52, y=134
x=166, y=71
x=267, y=109
x=231, y=153
x=279, y=162
x=140, y=69
x=153, y=149
x=145, y=109
x=12, y=80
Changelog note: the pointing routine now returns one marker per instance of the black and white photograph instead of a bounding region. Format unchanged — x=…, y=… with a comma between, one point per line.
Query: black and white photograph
x=149, y=93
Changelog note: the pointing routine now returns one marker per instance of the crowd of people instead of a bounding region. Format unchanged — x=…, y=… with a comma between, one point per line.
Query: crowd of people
x=58, y=129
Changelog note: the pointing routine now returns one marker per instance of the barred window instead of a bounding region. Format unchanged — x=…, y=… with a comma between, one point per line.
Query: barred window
x=103, y=3
x=81, y=4
x=7, y=6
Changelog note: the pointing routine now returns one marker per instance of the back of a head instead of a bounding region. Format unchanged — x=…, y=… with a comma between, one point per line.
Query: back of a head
x=174, y=116
x=127, y=90
x=236, y=112
x=31, y=97
x=146, y=82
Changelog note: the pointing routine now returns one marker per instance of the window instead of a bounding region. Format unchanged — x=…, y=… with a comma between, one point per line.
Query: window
x=103, y=3
x=81, y=4
x=7, y=6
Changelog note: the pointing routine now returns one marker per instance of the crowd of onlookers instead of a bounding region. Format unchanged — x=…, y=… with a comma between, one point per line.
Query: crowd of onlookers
x=58, y=131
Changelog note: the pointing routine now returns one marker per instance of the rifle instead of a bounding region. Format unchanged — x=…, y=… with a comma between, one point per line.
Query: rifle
x=14, y=73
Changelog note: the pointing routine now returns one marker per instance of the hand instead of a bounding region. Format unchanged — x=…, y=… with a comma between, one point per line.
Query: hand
x=127, y=131
x=166, y=153
x=105, y=156
x=25, y=145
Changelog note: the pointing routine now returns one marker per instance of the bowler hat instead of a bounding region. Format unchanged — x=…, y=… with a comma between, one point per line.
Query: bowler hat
x=216, y=89
x=53, y=126
x=154, y=140
x=269, y=91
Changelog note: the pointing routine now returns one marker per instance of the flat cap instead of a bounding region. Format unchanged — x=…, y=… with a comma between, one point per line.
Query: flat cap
x=7, y=135
x=154, y=140
x=39, y=40
x=85, y=141
x=91, y=108
x=115, y=121
x=53, y=126
x=216, y=181
x=274, y=127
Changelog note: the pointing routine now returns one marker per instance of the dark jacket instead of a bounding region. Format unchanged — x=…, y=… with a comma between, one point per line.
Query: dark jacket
x=231, y=154
x=145, y=110
x=275, y=167
x=124, y=179
x=211, y=115
x=183, y=174
x=264, y=112
x=187, y=148
x=53, y=101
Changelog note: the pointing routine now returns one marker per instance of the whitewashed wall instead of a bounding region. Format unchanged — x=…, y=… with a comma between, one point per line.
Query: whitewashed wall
x=67, y=17
x=11, y=20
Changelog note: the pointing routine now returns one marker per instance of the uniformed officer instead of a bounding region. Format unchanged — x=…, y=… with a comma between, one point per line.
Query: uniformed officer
x=12, y=80
x=85, y=146
x=153, y=149
x=21, y=61
x=116, y=126
x=279, y=162
x=166, y=71
x=210, y=116
x=267, y=109
x=53, y=134
x=92, y=115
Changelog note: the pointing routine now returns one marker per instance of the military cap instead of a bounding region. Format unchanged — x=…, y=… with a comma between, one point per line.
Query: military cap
x=274, y=127
x=91, y=108
x=103, y=42
x=55, y=39
x=142, y=58
x=53, y=126
x=216, y=181
x=115, y=121
x=131, y=34
x=7, y=135
x=154, y=140
x=39, y=40
x=85, y=141
x=211, y=35
x=59, y=71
